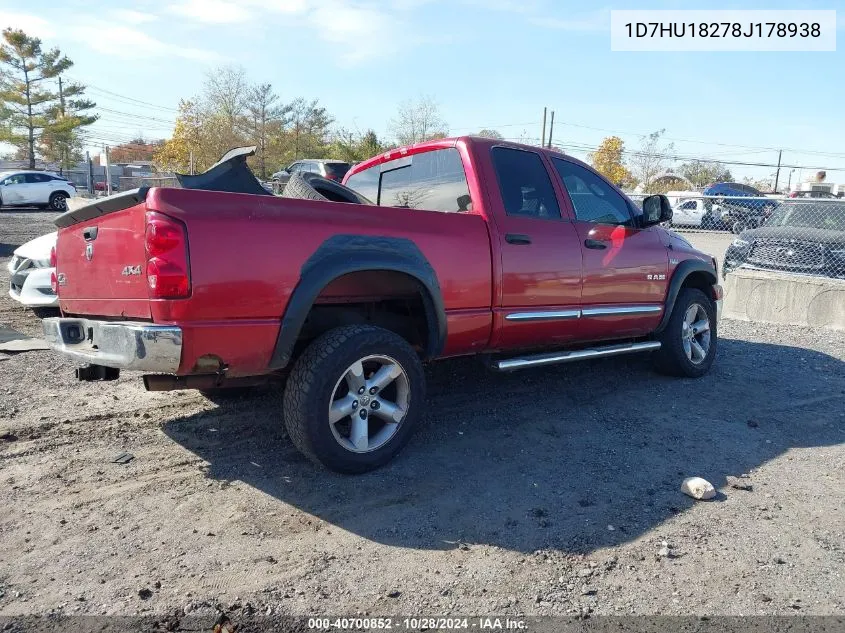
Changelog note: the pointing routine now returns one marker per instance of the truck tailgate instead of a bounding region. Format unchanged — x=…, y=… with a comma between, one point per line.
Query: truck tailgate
x=101, y=264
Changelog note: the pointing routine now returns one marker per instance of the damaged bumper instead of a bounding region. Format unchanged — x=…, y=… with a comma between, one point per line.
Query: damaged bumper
x=121, y=345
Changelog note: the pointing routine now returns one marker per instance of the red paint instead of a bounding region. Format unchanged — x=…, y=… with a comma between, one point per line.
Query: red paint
x=244, y=254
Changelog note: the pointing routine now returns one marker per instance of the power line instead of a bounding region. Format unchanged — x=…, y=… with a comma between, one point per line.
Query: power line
x=125, y=97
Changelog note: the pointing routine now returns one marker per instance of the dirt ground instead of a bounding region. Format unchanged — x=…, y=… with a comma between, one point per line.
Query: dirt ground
x=549, y=491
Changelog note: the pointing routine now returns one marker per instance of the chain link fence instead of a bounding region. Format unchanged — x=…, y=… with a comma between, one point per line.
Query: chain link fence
x=801, y=235
x=128, y=183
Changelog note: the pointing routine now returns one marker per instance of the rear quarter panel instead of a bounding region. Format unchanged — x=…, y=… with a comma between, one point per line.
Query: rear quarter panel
x=246, y=253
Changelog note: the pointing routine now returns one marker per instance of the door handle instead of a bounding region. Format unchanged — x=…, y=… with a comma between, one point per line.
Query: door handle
x=90, y=234
x=596, y=244
x=517, y=238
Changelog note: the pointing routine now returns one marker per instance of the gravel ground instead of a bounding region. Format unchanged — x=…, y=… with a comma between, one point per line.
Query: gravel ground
x=548, y=491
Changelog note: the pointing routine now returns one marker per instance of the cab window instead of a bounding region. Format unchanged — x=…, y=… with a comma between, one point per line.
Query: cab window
x=433, y=181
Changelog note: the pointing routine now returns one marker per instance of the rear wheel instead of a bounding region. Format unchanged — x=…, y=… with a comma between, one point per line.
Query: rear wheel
x=688, y=343
x=58, y=201
x=738, y=226
x=354, y=397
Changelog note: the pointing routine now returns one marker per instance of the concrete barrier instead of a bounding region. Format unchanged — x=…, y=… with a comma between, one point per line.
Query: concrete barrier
x=774, y=297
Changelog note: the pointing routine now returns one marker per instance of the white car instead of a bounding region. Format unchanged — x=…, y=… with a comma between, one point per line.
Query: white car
x=35, y=188
x=693, y=212
x=31, y=271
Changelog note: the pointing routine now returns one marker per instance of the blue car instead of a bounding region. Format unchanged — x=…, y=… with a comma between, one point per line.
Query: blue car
x=742, y=206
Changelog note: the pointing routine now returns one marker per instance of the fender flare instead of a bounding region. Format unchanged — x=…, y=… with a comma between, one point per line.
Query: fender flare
x=682, y=272
x=343, y=254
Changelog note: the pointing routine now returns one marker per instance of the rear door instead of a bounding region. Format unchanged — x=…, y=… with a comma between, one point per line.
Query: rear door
x=42, y=187
x=541, y=257
x=625, y=267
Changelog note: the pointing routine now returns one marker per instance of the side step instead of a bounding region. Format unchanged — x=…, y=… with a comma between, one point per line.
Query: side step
x=555, y=358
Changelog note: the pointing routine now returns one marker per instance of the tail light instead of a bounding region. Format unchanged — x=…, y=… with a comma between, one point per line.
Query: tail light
x=166, y=245
x=53, y=257
x=54, y=282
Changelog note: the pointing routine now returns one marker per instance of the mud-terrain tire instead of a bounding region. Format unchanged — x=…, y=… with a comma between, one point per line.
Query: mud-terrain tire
x=688, y=343
x=353, y=379
x=313, y=187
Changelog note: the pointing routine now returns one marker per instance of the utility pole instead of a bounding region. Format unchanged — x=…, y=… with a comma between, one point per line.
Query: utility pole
x=551, y=129
x=62, y=110
x=90, y=172
x=192, y=162
x=777, y=173
x=108, y=170
x=543, y=140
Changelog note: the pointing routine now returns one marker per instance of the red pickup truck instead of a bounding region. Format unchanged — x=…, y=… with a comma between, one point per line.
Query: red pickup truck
x=522, y=255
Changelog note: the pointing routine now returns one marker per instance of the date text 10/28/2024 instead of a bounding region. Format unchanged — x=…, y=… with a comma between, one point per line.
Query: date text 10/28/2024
x=418, y=623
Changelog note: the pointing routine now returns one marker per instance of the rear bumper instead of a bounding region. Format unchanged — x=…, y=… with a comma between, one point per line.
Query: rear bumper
x=122, y=345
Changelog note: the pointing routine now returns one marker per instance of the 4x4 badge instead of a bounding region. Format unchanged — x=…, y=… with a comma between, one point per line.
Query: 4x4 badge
x=131, y=270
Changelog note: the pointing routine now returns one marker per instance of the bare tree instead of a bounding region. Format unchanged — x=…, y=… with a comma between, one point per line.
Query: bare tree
x=226, y=93
x=651, y=159
x=418, y=121
x=266, y=117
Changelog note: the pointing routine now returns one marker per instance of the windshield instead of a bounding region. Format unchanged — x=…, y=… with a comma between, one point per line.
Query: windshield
x=338, y=170
x=813, y=216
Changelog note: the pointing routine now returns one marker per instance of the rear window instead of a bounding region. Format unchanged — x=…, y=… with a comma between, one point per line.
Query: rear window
x=433, y=181
x=338, y=170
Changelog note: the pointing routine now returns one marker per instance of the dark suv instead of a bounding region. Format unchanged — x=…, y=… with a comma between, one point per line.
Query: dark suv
x=742, y=206
x=331, y=169
x=800, y=236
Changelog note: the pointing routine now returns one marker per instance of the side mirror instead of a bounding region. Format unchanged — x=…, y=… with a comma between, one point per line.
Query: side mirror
x=656, y=210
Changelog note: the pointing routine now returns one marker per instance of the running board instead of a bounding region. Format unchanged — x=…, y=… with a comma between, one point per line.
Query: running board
x=539, y=360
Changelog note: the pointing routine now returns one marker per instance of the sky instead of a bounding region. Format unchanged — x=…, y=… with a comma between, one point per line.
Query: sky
x=487, y=64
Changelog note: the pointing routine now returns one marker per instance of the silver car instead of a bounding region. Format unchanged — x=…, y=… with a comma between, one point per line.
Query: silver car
x=331, y=169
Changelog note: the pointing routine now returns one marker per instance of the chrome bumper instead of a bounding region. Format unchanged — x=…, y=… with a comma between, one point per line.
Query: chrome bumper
x=118, y=344
x=719, y=303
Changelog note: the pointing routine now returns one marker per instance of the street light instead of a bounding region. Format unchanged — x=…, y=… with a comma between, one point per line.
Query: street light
x=789, y=183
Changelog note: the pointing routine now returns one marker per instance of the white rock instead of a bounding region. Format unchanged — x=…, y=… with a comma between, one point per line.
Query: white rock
x=698, y=488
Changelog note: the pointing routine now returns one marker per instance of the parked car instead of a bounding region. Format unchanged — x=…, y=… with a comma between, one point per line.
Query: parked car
x=695, y=212
x=35, y=188
x=521, y=255
x=742, y=206
x=330, y=169
x=31, y=269
x=799, y=237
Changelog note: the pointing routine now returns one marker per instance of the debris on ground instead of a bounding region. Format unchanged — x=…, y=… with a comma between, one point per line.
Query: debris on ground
x=739, y=483
x=698, y=488
x=123, y=458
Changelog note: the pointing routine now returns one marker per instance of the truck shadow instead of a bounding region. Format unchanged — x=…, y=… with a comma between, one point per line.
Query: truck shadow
x=547, y=458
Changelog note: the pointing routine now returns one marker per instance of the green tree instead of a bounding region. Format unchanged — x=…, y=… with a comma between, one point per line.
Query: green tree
x=701, y=172
x=60, y=139
x=608, y=160
x=490, y=134
x=187, y=140
x=354, y=148
x=29, y=108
